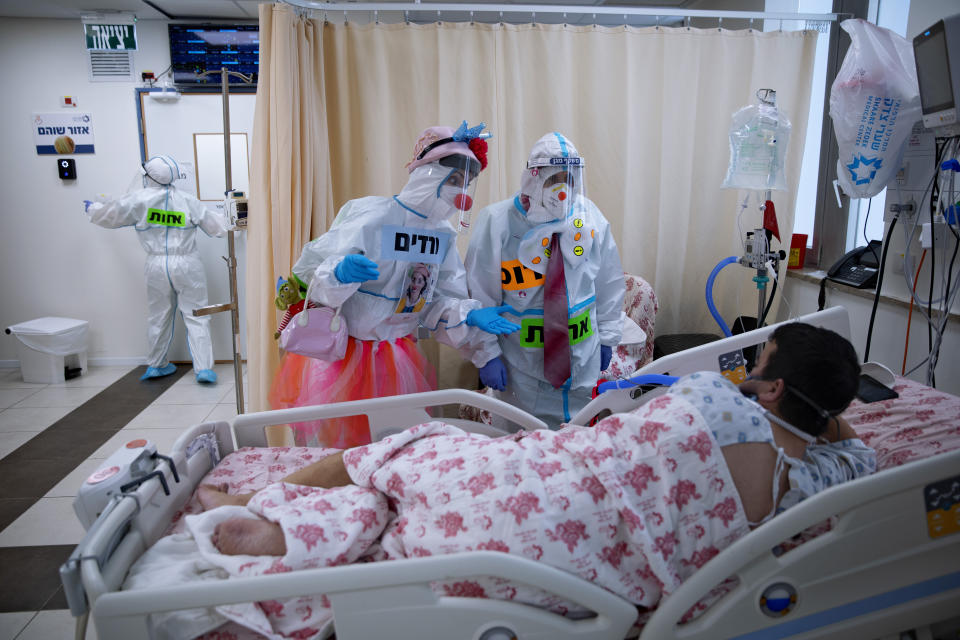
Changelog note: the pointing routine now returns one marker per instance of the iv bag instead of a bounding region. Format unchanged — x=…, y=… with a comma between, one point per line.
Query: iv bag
x=874, y=102
x=759, y=135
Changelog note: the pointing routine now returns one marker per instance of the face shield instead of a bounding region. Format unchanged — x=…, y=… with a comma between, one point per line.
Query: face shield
x=553, y=190
x=439, y=189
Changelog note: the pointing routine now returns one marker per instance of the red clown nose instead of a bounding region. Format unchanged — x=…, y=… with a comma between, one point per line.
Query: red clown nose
x=463, y=202
x=562, y=196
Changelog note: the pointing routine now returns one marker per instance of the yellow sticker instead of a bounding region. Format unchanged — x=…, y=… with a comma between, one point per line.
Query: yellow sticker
x=578, y=223
x=578, y=250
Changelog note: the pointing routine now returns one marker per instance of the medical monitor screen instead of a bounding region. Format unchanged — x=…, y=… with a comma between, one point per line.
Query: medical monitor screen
x=196, y=48
x=933, y=70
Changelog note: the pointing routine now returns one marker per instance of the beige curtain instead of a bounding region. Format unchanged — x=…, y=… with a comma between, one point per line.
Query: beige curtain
x=649, y=109
x=290, y=191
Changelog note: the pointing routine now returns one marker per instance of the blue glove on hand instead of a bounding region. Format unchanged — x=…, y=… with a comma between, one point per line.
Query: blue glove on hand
x=488, y=319
x=86, y=205
x=605, y=354
x=494, y=374
x=356, y=268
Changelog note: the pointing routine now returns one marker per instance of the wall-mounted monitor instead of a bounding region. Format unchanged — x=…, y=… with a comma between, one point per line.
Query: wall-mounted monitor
x=937, y=54
x=195, y=48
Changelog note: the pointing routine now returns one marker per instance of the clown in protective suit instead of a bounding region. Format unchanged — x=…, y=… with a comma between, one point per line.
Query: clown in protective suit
x=166, y=221
x=570, y=310
x=391, y=265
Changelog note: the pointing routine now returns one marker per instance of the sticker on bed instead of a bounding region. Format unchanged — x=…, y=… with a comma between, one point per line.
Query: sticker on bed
x=733, y=366
x=943, y=507
x=412, y=244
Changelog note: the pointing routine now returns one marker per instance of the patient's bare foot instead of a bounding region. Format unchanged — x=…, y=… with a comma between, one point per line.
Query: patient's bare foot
x=213, y=496
x=242, y=536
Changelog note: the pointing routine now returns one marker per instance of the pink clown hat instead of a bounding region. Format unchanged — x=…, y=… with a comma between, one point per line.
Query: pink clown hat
x=435, y=143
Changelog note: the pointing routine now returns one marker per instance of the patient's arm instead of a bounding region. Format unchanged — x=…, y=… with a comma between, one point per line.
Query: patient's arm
x=327, y=473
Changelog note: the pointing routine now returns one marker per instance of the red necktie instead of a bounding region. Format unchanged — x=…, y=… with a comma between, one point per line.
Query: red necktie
x=556, y=322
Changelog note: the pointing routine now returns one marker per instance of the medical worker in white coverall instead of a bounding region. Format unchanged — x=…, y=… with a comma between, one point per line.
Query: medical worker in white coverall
x=166, y=221
x=391, y=265
x=510, y=262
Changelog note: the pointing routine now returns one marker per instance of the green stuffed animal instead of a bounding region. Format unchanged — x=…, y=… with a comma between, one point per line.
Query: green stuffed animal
x=289, y=299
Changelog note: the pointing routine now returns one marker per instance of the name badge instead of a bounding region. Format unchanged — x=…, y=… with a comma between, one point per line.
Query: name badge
x=166, y=218
x=410, y=244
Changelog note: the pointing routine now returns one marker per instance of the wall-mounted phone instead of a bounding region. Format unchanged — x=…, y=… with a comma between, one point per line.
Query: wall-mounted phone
x=859, y=267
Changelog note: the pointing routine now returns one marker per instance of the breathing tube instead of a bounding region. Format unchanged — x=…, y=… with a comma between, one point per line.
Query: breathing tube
x=709, y=294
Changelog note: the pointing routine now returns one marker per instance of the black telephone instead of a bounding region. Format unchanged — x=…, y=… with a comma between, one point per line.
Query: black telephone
x=859, y=267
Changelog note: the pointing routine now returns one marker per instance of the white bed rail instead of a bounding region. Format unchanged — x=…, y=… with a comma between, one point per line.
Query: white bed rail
x=702, y=358
x=386, y=416
x=369, y=599
x=878, y=570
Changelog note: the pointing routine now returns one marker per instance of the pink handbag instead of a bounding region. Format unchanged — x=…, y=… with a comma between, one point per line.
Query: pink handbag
x=316, y=333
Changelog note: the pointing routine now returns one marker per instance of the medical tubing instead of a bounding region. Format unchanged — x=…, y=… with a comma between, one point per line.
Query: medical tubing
x=906, y=340
x=709, y=294
x=636, y=381
x=876, y=296
x=773, y=292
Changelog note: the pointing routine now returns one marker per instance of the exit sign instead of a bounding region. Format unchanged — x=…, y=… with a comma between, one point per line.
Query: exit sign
x=111, y=37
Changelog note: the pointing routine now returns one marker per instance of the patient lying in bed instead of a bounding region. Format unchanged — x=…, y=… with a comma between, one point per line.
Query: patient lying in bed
x=635, y=504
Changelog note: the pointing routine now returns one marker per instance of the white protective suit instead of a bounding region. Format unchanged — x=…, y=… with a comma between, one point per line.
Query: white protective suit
x=396, y=236
x=504, y=267
x=166, y=221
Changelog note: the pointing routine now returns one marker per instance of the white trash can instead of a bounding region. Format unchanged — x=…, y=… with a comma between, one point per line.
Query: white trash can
x=50, y=347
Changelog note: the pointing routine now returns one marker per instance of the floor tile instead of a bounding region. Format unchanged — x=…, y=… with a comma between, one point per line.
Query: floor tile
x=97, y=377
x=30, y=577
x=32, y=478
x=50, y=521
x=30, y=418
x=221, y=412
x=54, y=625
x=171, y=415
x=163, y=438
x=10, y=441
x=59, y=396
x=195, y=394
x=14, y=380
x=68, y=487
x=13, y=623
x=10, y=397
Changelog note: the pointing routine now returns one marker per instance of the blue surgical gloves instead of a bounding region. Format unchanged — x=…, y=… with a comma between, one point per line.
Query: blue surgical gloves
x=356, y=268
x=605, y=354
x=488, y=319
x=494, y=374
x=86, y=205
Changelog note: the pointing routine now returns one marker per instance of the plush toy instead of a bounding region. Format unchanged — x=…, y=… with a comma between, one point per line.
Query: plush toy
x=289, y=299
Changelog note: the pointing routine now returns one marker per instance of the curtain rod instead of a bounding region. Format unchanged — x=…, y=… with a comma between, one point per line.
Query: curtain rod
x=559, y=9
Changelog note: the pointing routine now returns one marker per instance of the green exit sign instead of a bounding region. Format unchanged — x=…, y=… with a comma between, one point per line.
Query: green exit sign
x=111, y=37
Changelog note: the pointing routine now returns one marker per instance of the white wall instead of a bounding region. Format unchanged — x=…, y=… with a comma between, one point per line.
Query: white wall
x=52, y=260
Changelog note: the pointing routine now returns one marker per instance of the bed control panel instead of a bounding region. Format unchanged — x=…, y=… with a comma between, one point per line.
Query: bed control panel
x=125, y=469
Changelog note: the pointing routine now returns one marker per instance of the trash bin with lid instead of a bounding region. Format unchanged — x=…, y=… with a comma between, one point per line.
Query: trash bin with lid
x=51, y=349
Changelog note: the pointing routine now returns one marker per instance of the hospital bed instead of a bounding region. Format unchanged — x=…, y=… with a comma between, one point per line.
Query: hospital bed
x=888, y=561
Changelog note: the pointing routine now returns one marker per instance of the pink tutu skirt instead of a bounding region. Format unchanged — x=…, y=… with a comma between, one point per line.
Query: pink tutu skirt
x=370, y=369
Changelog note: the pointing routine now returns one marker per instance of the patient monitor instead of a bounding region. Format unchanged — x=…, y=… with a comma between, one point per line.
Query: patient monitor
x=937, y=55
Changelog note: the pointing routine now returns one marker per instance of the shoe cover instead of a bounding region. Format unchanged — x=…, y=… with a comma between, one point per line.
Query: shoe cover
x=207, y=375
x=159, y=372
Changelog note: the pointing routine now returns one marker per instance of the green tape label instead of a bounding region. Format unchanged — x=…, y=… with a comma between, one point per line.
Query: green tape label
x=531, y=330
x=166, y=218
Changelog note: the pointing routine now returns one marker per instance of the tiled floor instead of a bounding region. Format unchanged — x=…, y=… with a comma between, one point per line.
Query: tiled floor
x=37, y=532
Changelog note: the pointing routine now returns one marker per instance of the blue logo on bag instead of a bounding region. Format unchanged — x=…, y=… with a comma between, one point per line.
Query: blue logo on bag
x=863, y=170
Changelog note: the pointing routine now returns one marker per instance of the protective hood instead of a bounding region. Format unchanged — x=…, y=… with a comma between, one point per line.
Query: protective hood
x=439, y=189
x=553, y=179
x=162, y=170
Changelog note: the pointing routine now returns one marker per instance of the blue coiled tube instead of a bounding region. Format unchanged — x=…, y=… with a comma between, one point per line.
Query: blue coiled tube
x=648, y=378
x=709, y=293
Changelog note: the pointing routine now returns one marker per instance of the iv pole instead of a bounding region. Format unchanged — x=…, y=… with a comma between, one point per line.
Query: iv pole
x=231, y=260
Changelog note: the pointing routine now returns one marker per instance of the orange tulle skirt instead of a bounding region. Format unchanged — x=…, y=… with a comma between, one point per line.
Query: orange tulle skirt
x=370, y=369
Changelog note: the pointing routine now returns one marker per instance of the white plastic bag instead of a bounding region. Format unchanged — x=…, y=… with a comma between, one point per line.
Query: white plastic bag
x=874, y=102
x=759, y=135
